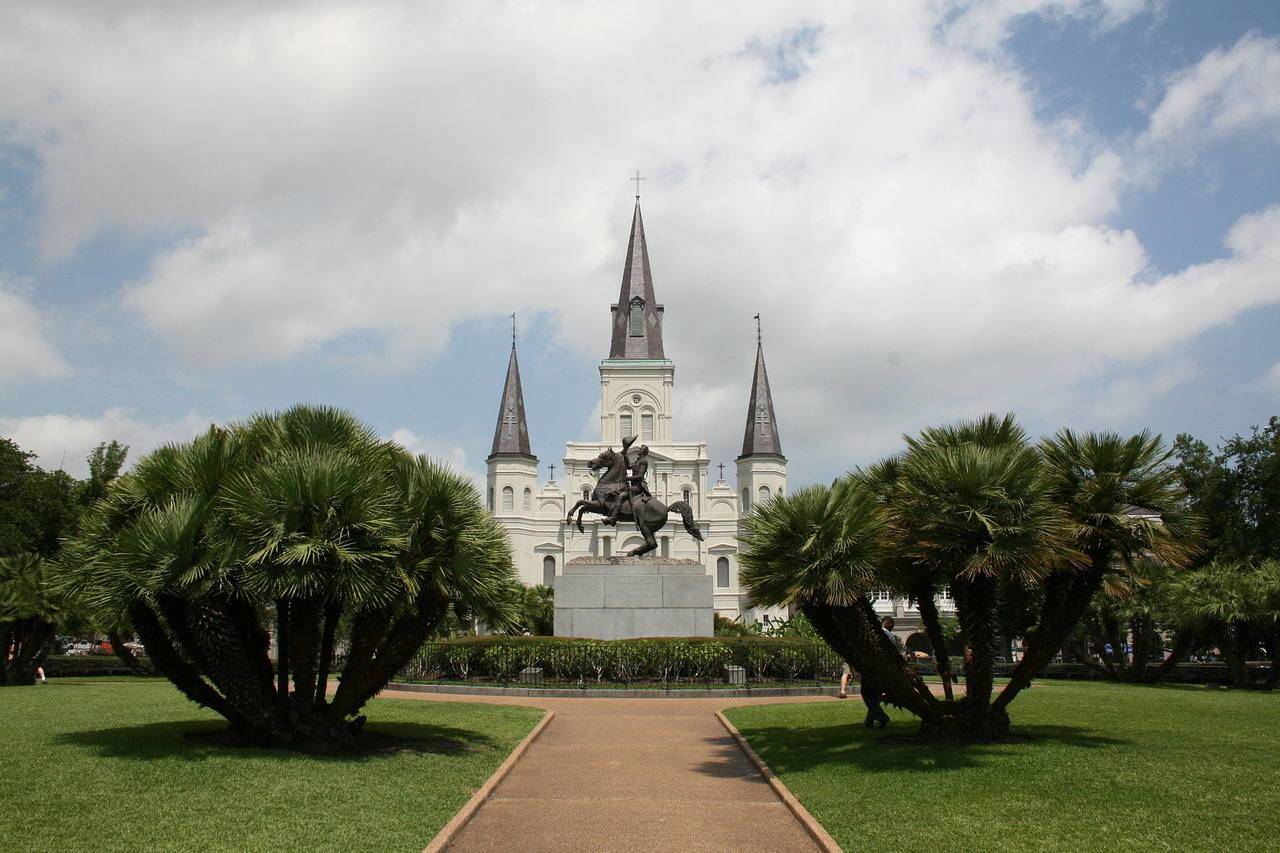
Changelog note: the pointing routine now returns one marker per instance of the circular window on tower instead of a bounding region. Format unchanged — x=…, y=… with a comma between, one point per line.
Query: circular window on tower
x=635, y=398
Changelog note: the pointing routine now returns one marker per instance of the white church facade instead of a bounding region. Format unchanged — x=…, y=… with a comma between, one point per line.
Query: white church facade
x=636, y=384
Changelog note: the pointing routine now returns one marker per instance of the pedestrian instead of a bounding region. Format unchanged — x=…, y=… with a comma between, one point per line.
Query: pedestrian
x=872, y=695
x=845, y=674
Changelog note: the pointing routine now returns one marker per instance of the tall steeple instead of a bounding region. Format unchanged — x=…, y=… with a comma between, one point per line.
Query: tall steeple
x=761, y=435
x=637, y=318
x=511, y=435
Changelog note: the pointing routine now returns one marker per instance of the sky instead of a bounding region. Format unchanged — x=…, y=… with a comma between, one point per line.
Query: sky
x=1066, y=209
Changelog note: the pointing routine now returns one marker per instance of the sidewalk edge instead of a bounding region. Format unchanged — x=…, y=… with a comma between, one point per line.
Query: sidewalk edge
x=450, y=831
x=819, y=835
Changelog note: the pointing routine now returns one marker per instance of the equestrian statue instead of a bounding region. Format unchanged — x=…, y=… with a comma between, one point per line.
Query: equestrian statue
x=621, y=494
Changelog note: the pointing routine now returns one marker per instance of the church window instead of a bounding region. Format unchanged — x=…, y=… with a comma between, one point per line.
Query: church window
x=665, y=544
x=722, y=572
x=528, y=499
x=646, y=426
x=624, y=425
x=746, y=500
x=548, y=570
x=763, y=494
x=688, y=495
x=508, y=498
x=490, y=500
x=637, y=317
x=586, y=493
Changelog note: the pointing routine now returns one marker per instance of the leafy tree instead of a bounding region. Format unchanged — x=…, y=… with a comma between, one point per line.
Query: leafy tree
x=30, y=611
x=37, y=507
x=296, y=522
x=105, y=462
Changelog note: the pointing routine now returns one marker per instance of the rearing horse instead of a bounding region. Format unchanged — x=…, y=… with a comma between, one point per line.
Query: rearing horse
x=651, y=511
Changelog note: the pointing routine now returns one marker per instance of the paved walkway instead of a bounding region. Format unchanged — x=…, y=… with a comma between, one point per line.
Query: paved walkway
x=631, y=774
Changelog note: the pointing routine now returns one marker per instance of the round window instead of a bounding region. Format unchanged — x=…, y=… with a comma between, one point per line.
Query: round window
x=635, y=399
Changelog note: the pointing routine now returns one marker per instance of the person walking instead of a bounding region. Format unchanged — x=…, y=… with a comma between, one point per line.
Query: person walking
x=872, y=695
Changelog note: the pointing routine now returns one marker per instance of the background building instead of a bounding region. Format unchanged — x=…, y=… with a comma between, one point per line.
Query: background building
x=636, y=384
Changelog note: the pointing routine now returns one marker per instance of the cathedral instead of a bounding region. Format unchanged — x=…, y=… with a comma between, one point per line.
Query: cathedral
x=636, y=382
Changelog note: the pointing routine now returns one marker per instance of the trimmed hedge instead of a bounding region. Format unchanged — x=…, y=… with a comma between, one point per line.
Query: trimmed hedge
x=660, y=660
x=79, y=665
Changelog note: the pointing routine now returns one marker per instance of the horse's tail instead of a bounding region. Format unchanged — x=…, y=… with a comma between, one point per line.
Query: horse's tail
x=686, y=514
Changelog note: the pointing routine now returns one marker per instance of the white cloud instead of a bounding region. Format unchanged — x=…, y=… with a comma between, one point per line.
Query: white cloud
x=354, y=181
x=441, y=451
x=1271, y=379
x=986, y=24
x=26, y=354
x=1229, y=91
x=64, y=440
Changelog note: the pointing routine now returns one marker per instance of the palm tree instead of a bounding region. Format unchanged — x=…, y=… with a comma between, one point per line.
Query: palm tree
x=975, y=515
x=1125, y=503
x=30, y=611
x=1235, y=606
x=299, y=522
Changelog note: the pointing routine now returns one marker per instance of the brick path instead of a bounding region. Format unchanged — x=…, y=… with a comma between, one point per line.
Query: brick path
x=631, y=774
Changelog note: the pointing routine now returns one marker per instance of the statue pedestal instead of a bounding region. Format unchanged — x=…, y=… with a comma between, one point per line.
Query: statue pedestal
x=616, y=598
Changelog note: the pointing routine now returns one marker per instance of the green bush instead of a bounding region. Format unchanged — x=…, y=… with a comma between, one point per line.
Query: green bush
x=659, y=660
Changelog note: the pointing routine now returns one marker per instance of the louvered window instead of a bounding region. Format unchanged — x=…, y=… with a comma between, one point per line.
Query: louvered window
x=637, y=316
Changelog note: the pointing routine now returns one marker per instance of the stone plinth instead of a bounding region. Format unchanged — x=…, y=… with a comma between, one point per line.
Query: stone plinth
x=615, y=598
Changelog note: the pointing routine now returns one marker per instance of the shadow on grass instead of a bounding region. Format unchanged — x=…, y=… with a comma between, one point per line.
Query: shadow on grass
x=199, y=740
x=795, y=750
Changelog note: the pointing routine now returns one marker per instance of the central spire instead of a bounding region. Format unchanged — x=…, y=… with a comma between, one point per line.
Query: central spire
x=637, y=318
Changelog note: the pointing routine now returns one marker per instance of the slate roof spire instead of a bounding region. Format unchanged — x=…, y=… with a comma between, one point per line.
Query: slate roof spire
x=637, y=318
x=761, y=435
x=511, y=435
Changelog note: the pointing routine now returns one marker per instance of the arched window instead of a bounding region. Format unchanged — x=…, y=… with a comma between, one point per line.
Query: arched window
x=490, y=500
x=688, y=495
x=548, y=570
x=586, y=493
x=722, y=572
x=637, y=317
x=624, y=425
x=646, y=426
x=746, y=500
x=762, y=494
x=528, y=499
x=508, y=498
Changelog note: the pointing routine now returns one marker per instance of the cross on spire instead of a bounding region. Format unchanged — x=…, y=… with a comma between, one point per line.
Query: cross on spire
x=637, y=180
x=759, y=337
x=513, y=329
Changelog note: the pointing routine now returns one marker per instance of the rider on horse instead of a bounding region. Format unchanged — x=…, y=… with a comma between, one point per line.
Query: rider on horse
x=636, y=485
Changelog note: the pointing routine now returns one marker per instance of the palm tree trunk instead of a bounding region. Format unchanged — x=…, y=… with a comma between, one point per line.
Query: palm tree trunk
x=172, y=666
x=1066, y=596
x=282, y=650
x=304, y=647
x=979, y=621
x=1182, y=645
x=933, y=630
x=126, y=655
x=331, y=615
x=855, y=634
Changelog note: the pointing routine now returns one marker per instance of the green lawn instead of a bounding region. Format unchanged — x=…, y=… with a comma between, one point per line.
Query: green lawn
x=94, y=764
x=1109, y=767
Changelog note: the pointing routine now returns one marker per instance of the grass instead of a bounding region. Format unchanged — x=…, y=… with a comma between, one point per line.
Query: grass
x=119, y=764
x=1109, y=767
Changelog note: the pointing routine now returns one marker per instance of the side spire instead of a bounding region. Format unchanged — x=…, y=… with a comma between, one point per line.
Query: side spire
x=511, y=435
x=761, y=435
x=637, y=318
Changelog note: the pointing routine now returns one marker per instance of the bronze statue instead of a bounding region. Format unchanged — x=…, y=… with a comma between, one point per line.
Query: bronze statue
x=624, y=496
